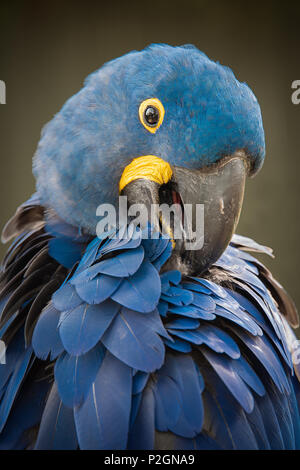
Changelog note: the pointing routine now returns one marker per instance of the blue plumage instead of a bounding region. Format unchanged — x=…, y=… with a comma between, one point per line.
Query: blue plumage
x=185, y=374
x=18, y=363
x=228, y=421
x=118, y=347
x=98, y=289
x=131, y=293
x=25, y=414
x=139, y=382
x=66, y=298
x=81, y=328
x=75, y=374
x=102, y=421
x=137, y=339
x=230, y=377
x=46, y=340
x=57, y=429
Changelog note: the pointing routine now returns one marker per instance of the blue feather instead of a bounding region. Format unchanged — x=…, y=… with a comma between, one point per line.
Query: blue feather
x=231, y=306
x=282, y=410
x=195, y=287
x=246, y=323
x=74, y=375
x=294, y=410
x=90, y=254
x=262, y=322
x=204, y=302
x=162, y=307
x=134, y=339
x=264, y=353
x=82, y=328
x=246, y=373
x=161, y=260
x=124, y=240
x=135, y=404
x=212, y=287
x=190, y=336
x=142, y=432
x=265, y=308
x=46, y=340
x=123, y=265
x=168, y=277
x=251, y=245
x=65, y=251
x=66, y=298
x=57, y=429
x=192, y=312
x=168, y=402
x=20, y=367
x=179, y=294
x=98, y=289
x=25, y=414
x=217, y=340
x=201, y=442
x=225, y=369
x=256, y=422
x=133, y=292
x=155, y=247
x=102, y=421
x=178, y=345
x=139, y=382
x=271, y=421
x=183, y=324
x=226, y=419
x=185, y=373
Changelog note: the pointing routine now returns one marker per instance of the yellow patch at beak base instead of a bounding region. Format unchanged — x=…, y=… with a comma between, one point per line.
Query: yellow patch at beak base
x=148, y=167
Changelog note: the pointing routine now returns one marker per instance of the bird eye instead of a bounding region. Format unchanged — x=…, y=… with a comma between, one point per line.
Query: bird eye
x=151, y=113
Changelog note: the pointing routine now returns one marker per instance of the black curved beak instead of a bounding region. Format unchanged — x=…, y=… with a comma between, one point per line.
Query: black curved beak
x=210, y=202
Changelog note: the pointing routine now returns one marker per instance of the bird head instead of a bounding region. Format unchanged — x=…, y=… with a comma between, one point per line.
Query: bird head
x=161, y=125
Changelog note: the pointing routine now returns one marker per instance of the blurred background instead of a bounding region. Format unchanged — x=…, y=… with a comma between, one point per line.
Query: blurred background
x=48, y=48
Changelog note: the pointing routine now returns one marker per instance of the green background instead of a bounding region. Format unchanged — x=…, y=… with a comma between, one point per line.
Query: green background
x=47, y=49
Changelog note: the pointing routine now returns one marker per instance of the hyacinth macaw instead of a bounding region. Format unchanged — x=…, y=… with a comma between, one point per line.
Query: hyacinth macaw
x=138, y=343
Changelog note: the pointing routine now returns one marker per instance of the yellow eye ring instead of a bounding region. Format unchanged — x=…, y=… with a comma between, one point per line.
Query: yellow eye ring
x=151, y=114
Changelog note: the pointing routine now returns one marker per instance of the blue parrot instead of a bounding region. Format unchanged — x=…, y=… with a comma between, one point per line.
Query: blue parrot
x=127, y=339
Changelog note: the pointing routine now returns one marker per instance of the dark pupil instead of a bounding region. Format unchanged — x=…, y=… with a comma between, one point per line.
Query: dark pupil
x=151, y=116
